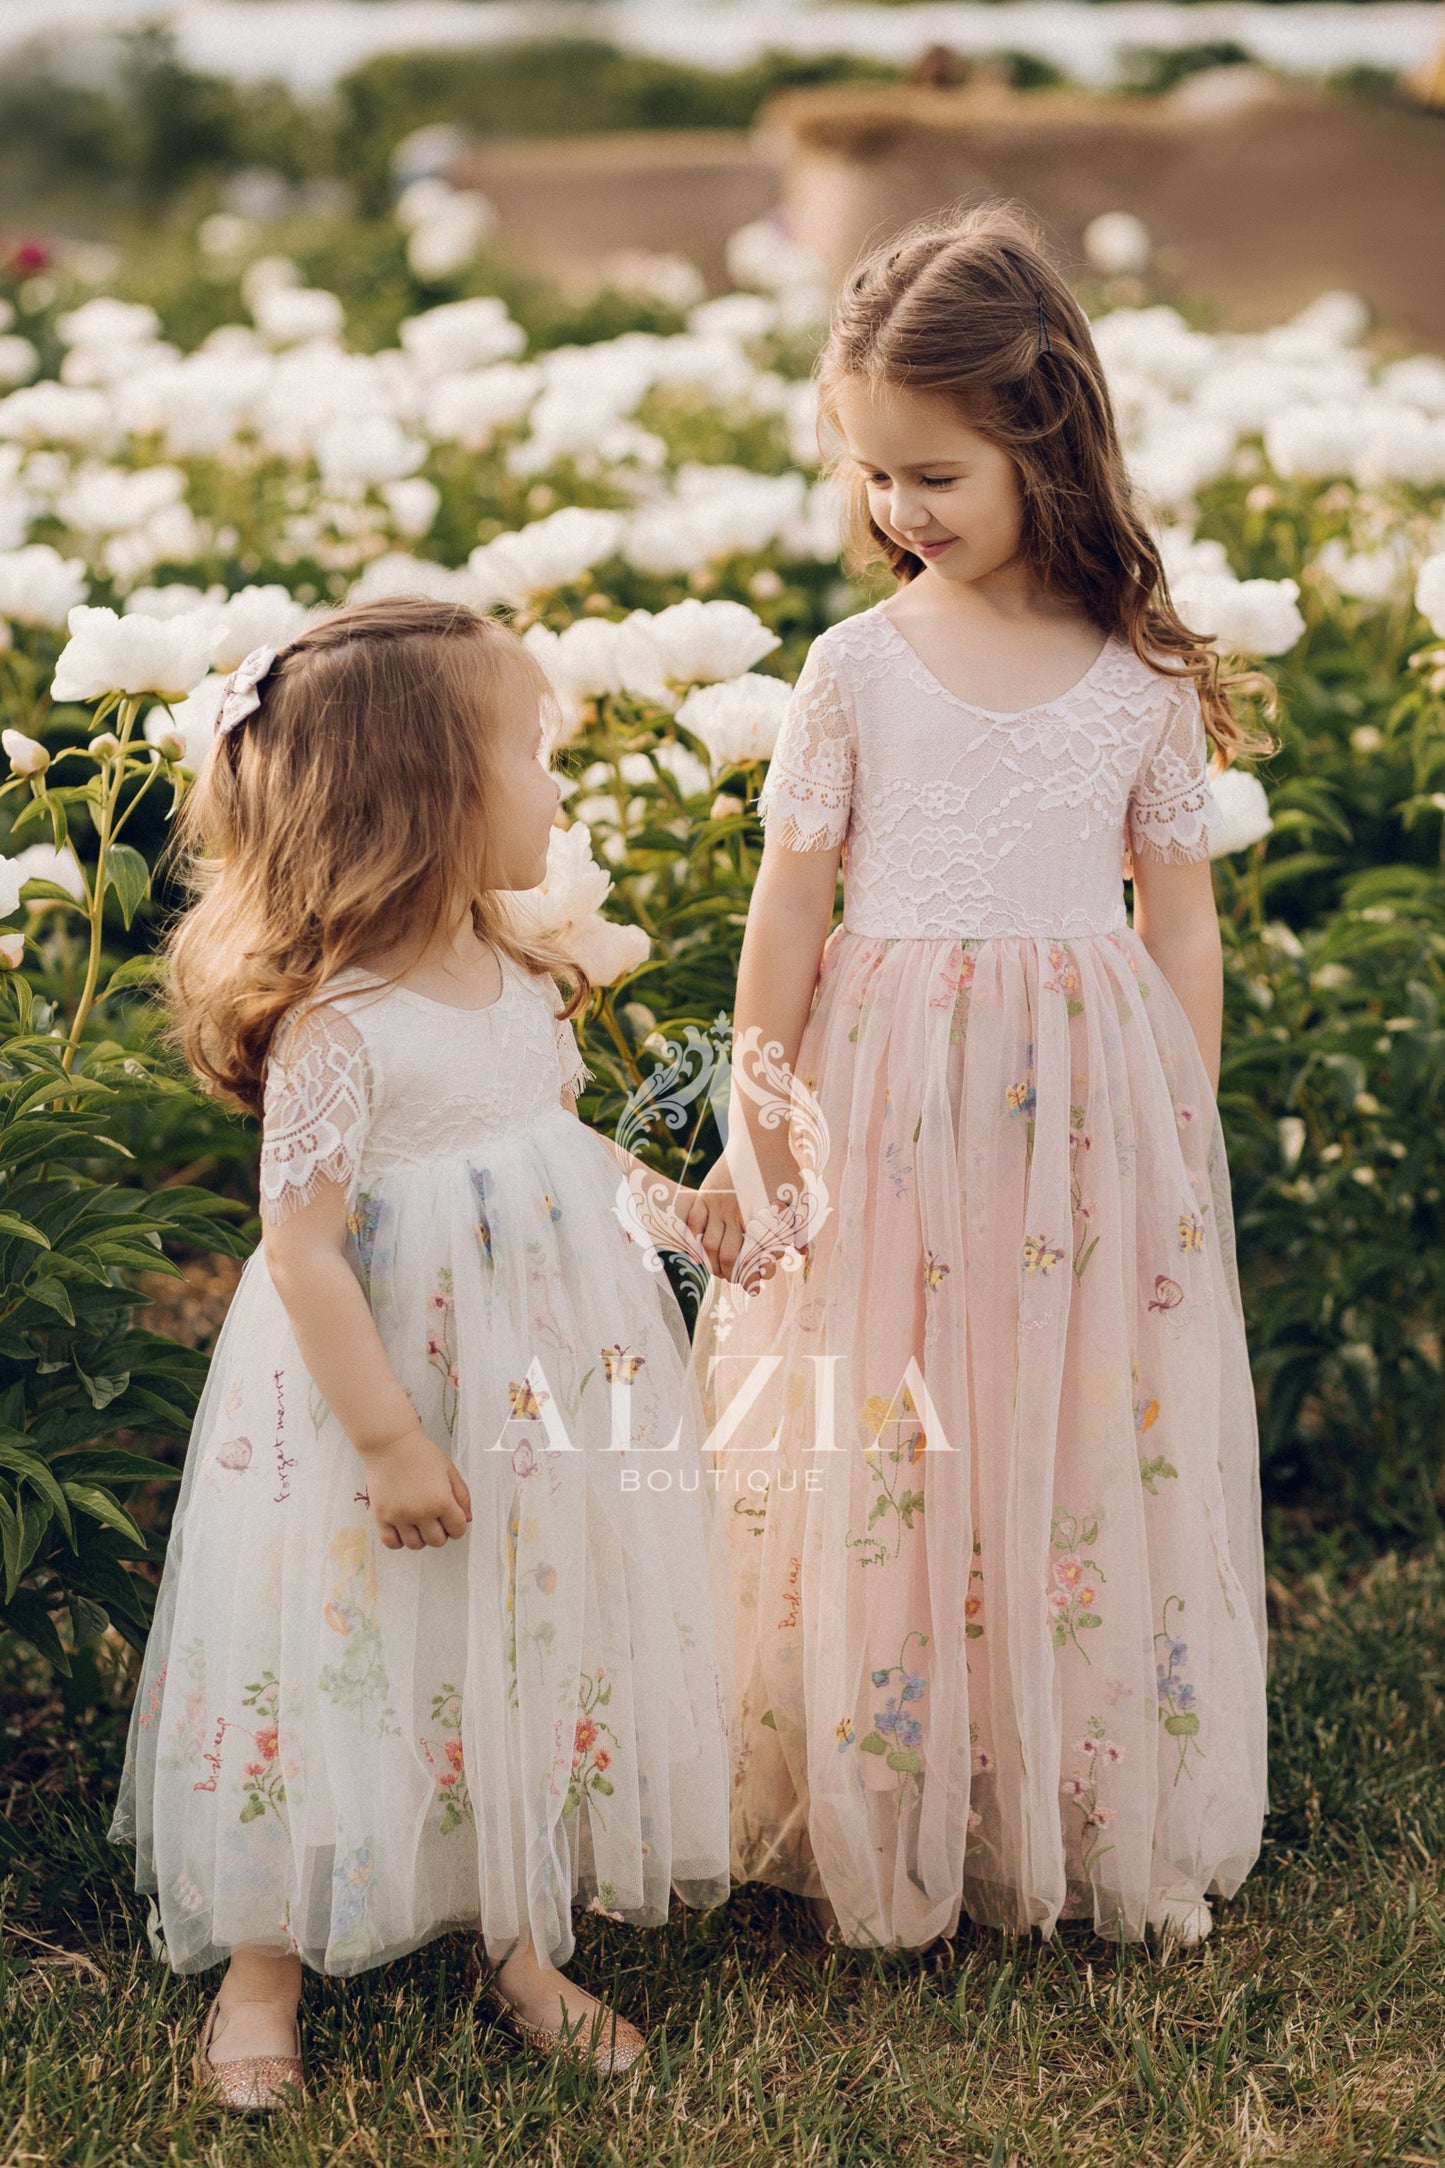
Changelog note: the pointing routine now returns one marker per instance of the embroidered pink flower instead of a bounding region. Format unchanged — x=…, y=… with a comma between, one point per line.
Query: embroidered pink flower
x=1068, y=1570
x=1101, y=1818
x=585, y=1737
x=266, y=1743
x=1074, y=1787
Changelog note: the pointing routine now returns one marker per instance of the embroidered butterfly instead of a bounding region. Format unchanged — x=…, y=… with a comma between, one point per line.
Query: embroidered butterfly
x=845, y=1734
x=1039, y=1255
x=617, y=1363
x=1168, y=1294
x=1191, y=1231
x=1146, y=1415
x=935, y=1272
x=525, y=1406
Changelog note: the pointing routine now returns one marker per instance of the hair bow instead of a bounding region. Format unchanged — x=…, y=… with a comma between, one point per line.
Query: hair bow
x=241, y=693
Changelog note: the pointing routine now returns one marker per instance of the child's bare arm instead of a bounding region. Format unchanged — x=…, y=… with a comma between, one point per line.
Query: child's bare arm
x=416, y=1491
x=788, y=920
x=1176, y=918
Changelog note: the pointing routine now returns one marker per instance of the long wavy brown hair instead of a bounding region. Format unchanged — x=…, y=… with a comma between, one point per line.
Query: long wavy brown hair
x=355, y=813
x=973, y=310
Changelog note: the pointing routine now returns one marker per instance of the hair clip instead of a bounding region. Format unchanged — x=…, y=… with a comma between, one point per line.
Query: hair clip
x=241, y=693
x=1045, y=344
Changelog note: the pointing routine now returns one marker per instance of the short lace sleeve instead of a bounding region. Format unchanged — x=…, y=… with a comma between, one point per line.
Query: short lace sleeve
x=318, y=1104
x=575, y=1072
x=809, y=783
x=1172, y=803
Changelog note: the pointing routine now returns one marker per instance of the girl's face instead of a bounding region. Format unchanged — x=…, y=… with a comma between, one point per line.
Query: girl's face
x=530, y=794
x=935, y=485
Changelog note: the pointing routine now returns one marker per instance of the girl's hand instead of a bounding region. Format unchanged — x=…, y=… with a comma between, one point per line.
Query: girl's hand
x=714, y=1217
x=416, y=1493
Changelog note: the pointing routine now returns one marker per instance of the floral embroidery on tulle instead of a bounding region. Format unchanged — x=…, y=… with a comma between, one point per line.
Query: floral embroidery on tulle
x=1080, y=1142
x=264, y=1786
x=935, y=1272
x=1191, y=1231
x=364, y=1224
x=350, y=1896
x=441, y=1343
x=897, y=1732
x=973, y=1601
x=1073, y=1598
x=845, y=1733
x=358, y=1680
x=483, y=1188
x=1168, y=1294
x=590, y=1758
x=1066, y=979
x=1153, y=1468
x=448, y=1770
x=1097, y=1752
x=1177, y=1712
x=895, y=1439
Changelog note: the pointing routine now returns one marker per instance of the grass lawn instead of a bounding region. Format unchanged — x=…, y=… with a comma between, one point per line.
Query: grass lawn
x=1308, y=2030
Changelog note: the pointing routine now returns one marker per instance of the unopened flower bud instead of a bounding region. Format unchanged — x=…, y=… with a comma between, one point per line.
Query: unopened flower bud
x=106, y=746
x=726, y=806
x=27, y=755
x=171, y=745
x=12, y=951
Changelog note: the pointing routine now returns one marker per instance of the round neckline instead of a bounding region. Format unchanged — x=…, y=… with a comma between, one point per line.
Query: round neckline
x=452, y=1008
x=994, y=715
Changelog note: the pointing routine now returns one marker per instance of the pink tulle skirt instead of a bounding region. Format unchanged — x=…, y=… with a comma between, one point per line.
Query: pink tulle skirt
x=991, y=1519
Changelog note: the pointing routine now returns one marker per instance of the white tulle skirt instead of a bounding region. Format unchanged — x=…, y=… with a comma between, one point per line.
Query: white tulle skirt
x=346, y=1750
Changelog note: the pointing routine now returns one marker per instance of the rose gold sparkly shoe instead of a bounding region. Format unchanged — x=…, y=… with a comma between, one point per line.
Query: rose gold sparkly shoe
x=610, y=2043
x=251, y=2083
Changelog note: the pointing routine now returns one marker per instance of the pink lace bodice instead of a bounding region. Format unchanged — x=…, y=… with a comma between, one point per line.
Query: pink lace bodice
x=370, y=1083
x=961, y=822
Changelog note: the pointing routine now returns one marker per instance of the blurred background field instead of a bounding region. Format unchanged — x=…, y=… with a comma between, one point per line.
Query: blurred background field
x=524, y=313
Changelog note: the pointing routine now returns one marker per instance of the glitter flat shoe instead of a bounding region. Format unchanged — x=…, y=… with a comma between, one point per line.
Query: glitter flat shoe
x=610, y=2043
x=250, y=2083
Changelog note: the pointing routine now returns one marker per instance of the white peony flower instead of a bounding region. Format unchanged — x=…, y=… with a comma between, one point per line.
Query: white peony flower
x=597, y=656
x=1380, y=576
x=449, y=237
x=19, y=360
x=12, y=950
x=192, y=720
x=50, y=414
x=1430, y=593
x=1311, y=443
x=460, y=336
x=265, y=275
x=12, y=880
x=566, y=909
x=764, y=254
x=715, y=513
x=1402, y=445
x=1242, y=617
x=255, y=617
x=648, y=275
x=1117, y=244
x=398, y=574
x=367, y=448
x=470, y=409
x=739, y=721
x=413, y=504
x=107, y=322
x=27, y=755
x=704, y=642
x=43, y=862
x=172, y=600
x=1244, y=816
x=107, y=654
x=108, y=500
x=288, y=315
x=38, y=586
x=547, y=554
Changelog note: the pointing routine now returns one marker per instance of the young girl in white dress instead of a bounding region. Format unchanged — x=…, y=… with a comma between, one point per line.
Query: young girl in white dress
x=422, y=1658
x=992, y=1514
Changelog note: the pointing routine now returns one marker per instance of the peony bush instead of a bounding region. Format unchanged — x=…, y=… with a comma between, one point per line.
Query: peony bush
x=648, y=510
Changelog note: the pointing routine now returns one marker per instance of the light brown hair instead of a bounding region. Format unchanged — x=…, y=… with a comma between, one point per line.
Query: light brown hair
x=356, y=812
x=973, y=310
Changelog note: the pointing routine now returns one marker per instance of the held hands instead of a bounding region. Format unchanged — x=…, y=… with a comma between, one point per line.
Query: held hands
x=416, y=1493
x=714, y=1215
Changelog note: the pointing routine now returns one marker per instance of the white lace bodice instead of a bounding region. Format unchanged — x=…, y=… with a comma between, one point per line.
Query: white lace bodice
x=961, y=822
x=379, y=1079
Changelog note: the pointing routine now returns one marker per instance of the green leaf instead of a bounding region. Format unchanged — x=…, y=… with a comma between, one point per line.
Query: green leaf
x=128, y=874
x=769, y=1719
x=88, y=1621
x=100, y=1506
x=254, y=1808
x=1182, y=1727
x=113, y=1467
x=22, y=1231
x=52, y=1294
x=1088, y=1618
x=875, y=1743
x=603, y=1785
x=27, y=1617
x=38, y=891
x=135, y=971
x=906, y=1760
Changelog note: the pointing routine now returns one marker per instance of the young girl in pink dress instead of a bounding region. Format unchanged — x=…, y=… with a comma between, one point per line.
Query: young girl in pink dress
x=992, y=1510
